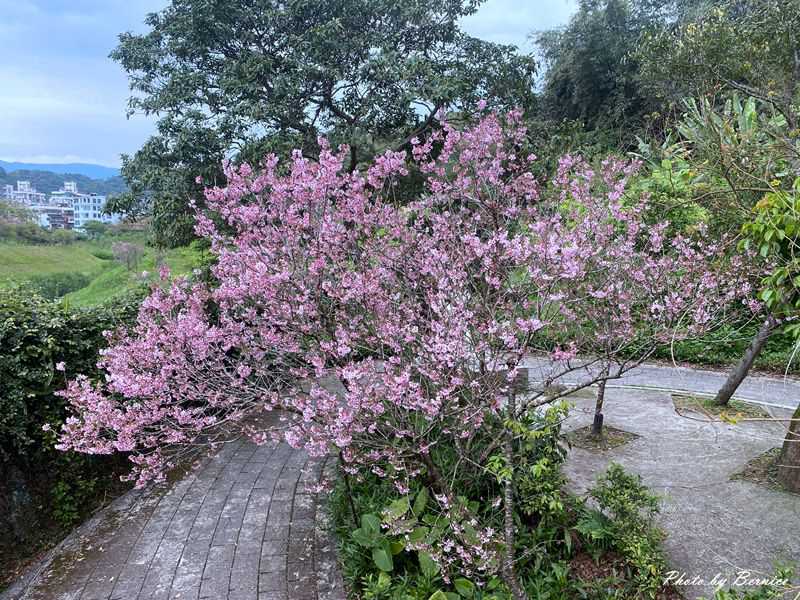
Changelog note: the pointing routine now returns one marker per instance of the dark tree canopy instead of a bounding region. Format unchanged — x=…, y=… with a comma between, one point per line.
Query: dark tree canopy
x=748, y=46
x=589, y=75
x=238, y=79
x=593, y=70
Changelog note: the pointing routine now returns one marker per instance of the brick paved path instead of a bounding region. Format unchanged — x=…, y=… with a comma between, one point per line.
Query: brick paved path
x=244, y=526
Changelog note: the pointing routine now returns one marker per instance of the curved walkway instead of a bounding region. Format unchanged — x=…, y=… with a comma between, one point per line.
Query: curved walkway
x=769, y=391
x=245, y=525
x=721, y=529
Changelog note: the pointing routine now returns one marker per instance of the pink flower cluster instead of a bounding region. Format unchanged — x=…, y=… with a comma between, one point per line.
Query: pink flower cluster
x=382, y=329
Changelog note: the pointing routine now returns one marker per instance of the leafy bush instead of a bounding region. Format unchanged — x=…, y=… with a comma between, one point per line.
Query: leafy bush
x=36, y=337
x=103, y=254
x=384, y=556
x=382, y=537
x=624, y=523
x=31, y=233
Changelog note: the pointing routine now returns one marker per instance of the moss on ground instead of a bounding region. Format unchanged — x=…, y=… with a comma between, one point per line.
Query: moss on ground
x=611, y=438
x=735, y=409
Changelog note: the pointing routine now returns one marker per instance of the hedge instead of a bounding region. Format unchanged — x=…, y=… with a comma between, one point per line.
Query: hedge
x=41, y=487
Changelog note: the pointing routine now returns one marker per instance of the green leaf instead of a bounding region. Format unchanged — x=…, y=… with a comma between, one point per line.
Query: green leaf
x=470, y=534
x=364, y=539
x=418, y=534
x=383, y=559
x=420, y=502
x=464, y=587
x=398, y=508
x=429, y=567
x=438, y=595
x=370, y=524
x=397, y=547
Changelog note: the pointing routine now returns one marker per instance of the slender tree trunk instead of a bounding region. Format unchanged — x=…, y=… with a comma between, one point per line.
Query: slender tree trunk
x=739, y=372
x=789, y=461
x=509, y=570
x=433, y=476
x=597, y=425
x=349, y=491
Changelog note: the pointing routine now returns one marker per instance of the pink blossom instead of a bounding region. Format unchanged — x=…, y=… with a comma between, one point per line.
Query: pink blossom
x=384, y=331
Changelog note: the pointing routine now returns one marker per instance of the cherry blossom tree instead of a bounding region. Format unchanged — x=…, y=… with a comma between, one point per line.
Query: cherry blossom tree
x=391, y=334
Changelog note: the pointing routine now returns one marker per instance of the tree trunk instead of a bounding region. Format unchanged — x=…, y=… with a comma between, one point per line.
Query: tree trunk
x=508, y=569
x=348, y=491
x=597, y=426
x=740, y=371
x=789, y=461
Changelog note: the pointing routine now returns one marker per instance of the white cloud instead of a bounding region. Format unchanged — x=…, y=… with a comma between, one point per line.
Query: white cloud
x=513, y=21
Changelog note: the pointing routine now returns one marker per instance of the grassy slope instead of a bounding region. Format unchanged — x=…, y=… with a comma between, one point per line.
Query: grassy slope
x=118, y=279
x=19, y=262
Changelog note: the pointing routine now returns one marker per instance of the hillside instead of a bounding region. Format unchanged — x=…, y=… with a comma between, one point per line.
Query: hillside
x=50, y=181
x=21, y=261
x=107, y=278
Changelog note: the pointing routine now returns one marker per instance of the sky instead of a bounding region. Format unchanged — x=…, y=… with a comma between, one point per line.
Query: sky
x=63, y=100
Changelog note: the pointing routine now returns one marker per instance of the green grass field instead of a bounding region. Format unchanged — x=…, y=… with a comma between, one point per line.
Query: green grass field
x=21, y=262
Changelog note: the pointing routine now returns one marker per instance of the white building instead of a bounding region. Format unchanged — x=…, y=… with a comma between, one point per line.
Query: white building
x=86, y=207
x=25, y=194
x=54, y=217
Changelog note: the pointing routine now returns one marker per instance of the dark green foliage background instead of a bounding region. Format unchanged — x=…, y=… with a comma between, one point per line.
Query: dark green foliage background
x=726, y=345
x=35, y=335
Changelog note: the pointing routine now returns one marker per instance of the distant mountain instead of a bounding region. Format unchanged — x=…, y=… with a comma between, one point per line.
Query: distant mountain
x=85, y=169
x=48, y=181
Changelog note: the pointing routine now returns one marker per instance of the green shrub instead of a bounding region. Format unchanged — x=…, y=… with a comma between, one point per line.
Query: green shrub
x=57, y=285
x=103, y=254
x=31, y=233
x=379, y=564
x=623, y=522
x=35, y=336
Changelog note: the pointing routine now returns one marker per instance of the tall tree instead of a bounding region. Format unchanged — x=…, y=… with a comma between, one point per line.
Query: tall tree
x=423, y=312
x=775, y=231
x=744, y=151
x=733, y=155
x=592, y=66
x=748, y=46
x=237, y=78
